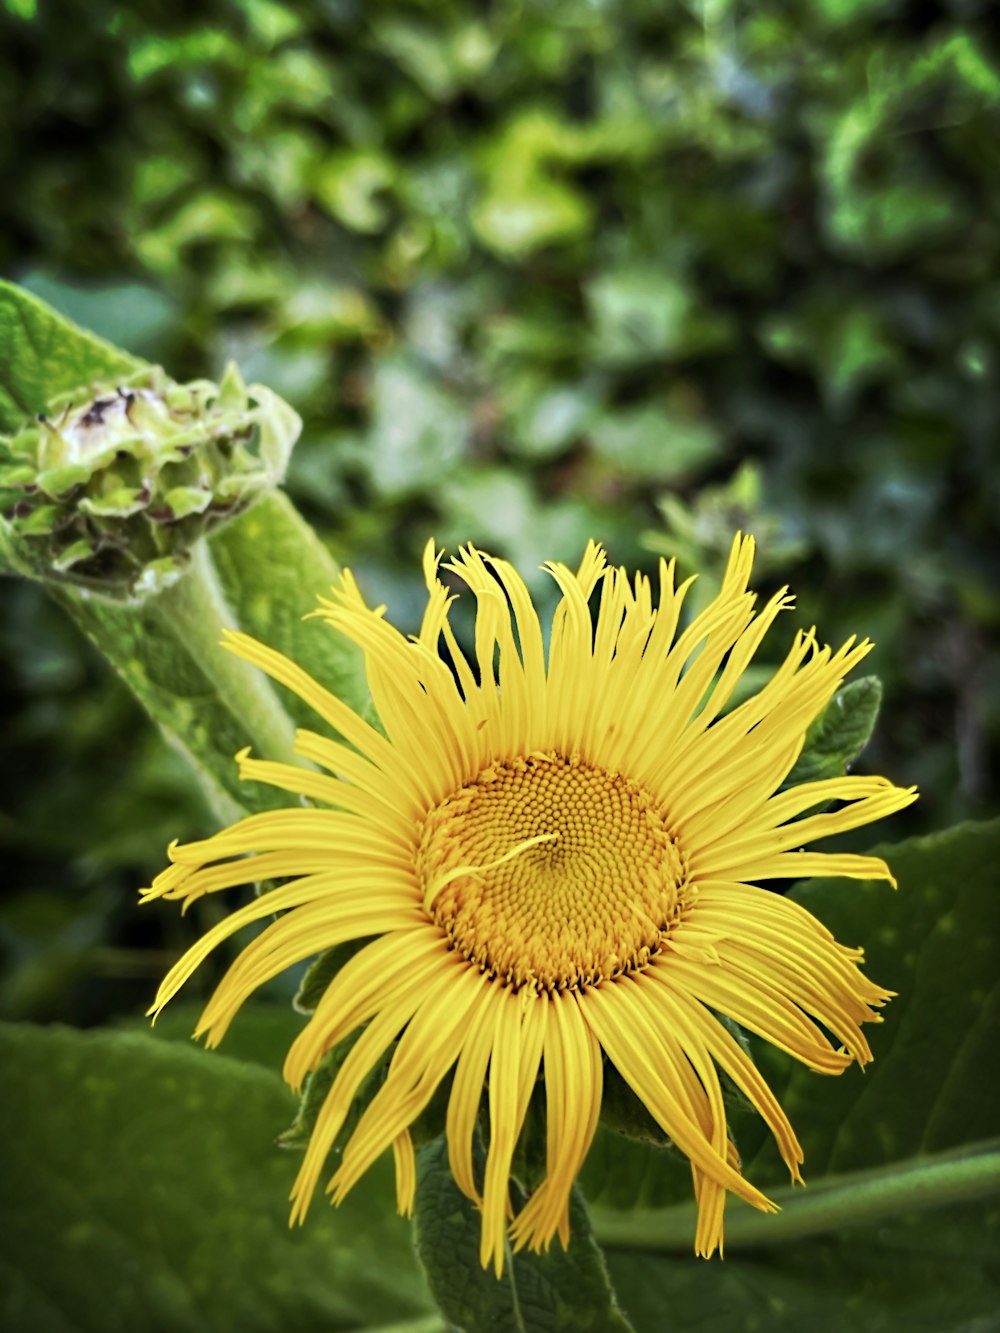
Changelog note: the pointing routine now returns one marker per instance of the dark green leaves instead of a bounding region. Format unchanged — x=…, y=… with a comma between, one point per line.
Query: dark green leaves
x=321, y=971
x=558, y=1292
x=424, y=211
x=43, y=355
x=142, y=1189
x=926, y=1272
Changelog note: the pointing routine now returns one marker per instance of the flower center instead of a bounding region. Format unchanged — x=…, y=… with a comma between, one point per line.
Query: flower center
x=551, y=872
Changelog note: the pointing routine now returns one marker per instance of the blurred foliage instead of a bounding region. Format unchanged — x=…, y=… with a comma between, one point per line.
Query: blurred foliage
x=530, y=274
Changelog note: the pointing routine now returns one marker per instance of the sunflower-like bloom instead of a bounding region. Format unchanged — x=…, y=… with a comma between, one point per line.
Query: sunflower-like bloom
x=552, y=859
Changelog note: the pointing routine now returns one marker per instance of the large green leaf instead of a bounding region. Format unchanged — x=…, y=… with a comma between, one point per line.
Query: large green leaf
x=43, y=355
x=929, y=1272
x=904, y=1239
x=142, y=1189
x=261, y=1034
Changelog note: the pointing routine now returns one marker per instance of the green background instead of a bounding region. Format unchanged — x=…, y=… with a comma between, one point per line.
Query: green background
x=531, y=274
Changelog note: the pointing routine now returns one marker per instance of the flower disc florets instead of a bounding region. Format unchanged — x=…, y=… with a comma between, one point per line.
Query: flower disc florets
x=112, y=485
x=550, y=872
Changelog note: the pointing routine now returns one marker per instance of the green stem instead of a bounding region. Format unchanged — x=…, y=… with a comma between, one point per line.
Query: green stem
x=196, y=610
x=207, y=702
x=432, y=1323
x=260, y=573
x=855, y=1200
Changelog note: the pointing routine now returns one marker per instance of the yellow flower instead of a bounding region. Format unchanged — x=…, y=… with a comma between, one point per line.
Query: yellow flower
x=553, y=858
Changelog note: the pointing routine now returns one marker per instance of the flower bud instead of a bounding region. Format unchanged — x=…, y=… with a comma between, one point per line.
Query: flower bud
x=110, y=487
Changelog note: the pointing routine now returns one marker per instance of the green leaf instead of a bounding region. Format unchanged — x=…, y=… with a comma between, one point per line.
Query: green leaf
x=544, y=419
x=840, y=733
x=622, y=1111
x=314, y=1094
x=527, y=215
x=219, y=216
x=43, y=355
x=154, y=1163
x=547, y=1293
x=525, y=206
x=441, y=63
x=622, y=1172
x=638, y=314
x=418, y=429
x=136, y=315
x=655, y=441
x=646, y=312
x=350, y=185
x=926, y=1271
x=851, y=1200
x=845, y=344
x=261, y=1036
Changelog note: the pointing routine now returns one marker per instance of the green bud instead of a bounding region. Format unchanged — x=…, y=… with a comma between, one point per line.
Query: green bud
x=110, y=488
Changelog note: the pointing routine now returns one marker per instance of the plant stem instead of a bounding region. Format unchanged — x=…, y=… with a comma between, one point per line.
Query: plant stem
x=207, y=702
x=196, y=610
x=432, y=1323
x=853, y=1200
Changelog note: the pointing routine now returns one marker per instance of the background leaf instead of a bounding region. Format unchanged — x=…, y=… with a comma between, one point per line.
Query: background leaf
x=154, y=1162
x=928, y=1271
x=582, y=251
